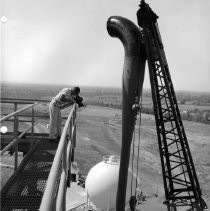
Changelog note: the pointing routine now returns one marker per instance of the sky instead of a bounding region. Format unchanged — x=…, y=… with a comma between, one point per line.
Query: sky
x=66, y=41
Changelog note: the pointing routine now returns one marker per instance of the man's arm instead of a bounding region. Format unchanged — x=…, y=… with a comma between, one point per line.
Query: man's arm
x=64, y=99
x=66, y=105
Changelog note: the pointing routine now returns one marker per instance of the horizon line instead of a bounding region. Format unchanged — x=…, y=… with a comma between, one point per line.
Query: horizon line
x=91, y=86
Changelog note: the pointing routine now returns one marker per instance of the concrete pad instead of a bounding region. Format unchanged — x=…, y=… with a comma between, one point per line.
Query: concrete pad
x=153, y=204
x=75, y=196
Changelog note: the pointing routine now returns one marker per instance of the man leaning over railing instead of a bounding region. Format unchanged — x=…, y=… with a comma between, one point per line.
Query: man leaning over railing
x=65, y=98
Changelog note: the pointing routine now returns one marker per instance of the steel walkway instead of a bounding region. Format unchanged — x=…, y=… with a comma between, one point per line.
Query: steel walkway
x=25, y=188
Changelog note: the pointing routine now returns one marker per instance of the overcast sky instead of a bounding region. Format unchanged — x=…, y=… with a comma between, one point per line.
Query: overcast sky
x=66, y=41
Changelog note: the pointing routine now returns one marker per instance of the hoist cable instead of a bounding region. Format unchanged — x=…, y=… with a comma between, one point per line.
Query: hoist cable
x=133, y=140
x=139, y=142
x=138, y=150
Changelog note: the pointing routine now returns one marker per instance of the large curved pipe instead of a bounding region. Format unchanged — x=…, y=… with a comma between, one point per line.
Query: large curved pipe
x=133, y=77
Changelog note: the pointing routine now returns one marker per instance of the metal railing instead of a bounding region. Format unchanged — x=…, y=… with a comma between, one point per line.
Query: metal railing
x=64, y=154
x=17, y=136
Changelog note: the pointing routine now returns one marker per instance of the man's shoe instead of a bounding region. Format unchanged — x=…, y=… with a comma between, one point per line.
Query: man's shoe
x=54, y=140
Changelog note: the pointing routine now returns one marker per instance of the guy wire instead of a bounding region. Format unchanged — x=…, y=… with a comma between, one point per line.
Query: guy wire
x=139, y=142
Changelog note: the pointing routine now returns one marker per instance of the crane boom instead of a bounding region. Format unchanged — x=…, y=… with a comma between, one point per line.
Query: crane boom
x=179, y=176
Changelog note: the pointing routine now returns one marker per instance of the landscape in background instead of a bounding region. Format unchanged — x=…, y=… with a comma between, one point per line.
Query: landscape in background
x=194, y=106
x=99, y=130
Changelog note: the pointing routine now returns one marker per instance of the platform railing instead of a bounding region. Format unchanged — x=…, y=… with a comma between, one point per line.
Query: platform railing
x=17, y=136
x=64, y=154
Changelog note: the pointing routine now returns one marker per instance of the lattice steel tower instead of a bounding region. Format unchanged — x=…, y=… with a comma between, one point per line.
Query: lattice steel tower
x=179, y=176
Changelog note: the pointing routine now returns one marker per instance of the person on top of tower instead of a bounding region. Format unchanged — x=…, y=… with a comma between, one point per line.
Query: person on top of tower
x=65, y=98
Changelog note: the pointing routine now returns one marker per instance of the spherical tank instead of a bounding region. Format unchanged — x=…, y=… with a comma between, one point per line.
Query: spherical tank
x=102, y=181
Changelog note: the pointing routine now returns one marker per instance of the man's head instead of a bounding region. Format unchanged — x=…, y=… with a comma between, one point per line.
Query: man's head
x=76, y=90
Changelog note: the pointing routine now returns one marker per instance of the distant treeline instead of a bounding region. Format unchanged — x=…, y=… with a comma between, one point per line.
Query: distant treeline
x=144, y=110
x=197, y=115
x=193, y=107
x=202, y=99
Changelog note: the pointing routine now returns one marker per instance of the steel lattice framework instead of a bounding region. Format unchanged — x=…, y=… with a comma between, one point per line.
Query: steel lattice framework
x=179, y=175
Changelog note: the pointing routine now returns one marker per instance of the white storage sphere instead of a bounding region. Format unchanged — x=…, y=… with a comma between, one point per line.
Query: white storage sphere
x=102, y=181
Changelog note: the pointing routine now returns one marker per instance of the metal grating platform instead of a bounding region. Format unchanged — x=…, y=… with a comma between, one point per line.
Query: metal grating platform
x=25, y=188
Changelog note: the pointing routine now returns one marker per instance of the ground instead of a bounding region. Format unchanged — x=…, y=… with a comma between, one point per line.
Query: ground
x=99, y=133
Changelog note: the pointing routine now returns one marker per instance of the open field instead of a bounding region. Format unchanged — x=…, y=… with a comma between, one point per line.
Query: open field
x=99, y=133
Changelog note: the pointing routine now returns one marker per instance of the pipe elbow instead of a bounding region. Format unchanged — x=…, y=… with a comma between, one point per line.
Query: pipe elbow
x=126, y=31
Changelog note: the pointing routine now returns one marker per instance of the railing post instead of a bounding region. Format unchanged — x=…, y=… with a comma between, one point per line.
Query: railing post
x=61, y=196
x=64, y=157
x=69, y=156
x=32, y=123
x=16, y=136
x=74, y=134
x=75, y=117
x=70, y=129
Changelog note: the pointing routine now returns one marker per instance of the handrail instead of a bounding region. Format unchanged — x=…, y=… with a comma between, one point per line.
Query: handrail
x=14, y=142
x=17, y=112
x=16, y=139
x=22, y=100
x=61, y=154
